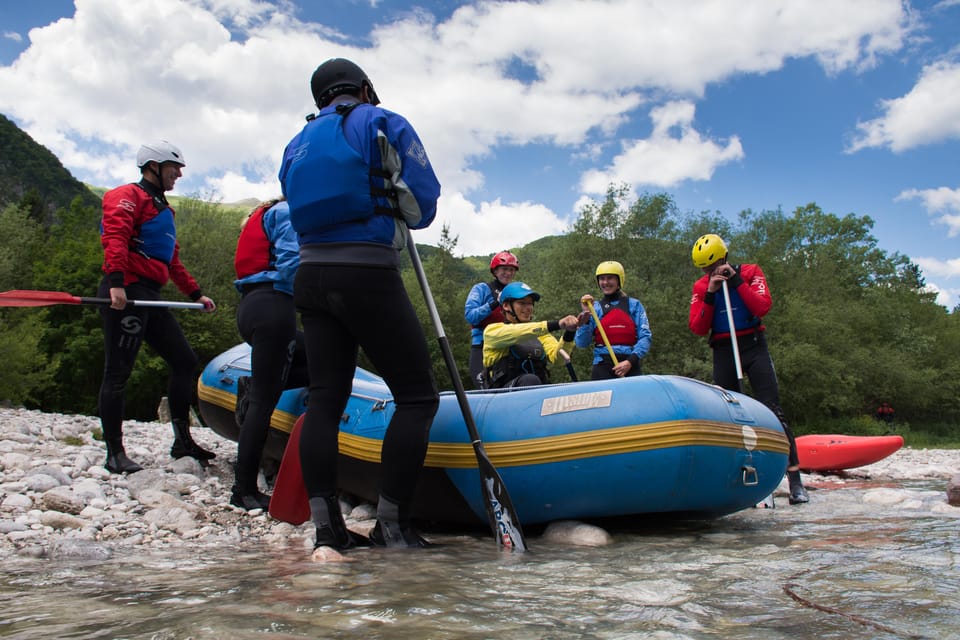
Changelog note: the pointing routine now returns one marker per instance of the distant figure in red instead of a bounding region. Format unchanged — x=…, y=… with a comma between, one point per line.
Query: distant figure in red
x=885, y=413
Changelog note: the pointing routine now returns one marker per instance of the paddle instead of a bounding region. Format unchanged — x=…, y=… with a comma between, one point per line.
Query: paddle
x=733, y=336
x=289, y=502
x=503, y=518
x=22, y=298
x=603, y=334
x=768, y=502
x=566, y=359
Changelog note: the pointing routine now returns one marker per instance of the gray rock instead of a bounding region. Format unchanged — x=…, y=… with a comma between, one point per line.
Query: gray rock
x=24, y=535
x=174, y=519
x=40, y=482
x=153, y=499
x=54, y=472
x=146, y=479
x=14, y=460
x=17, y=501
x=576, y=533
x=88, y=489
x=6, y=526
x=62, y=499
x=60, y=520
x=78, y=550
x=187, y=465
x=953, y=491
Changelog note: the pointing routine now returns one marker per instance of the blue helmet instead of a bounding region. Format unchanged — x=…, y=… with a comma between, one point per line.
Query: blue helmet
x=517, y=291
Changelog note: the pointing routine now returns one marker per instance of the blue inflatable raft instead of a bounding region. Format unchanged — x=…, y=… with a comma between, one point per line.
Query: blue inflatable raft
x=580, y=450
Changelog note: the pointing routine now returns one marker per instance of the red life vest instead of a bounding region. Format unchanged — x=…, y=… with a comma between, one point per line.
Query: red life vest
x=255, y=252
x=496, y=315
x=619, y=327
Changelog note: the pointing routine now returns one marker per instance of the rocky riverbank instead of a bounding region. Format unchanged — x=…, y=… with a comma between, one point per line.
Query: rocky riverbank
x=57, y=500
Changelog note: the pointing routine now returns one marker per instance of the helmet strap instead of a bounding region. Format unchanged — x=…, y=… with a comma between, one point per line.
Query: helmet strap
x=149, y=168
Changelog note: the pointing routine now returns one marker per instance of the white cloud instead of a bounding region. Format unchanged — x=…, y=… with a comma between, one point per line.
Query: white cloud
x=12, y=35
x=942, y=200
x=929, y=113
x=491, y=226
x=228, y=81
x=664, y=160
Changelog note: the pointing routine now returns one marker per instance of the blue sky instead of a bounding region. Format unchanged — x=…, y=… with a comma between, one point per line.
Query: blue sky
x=528, y=109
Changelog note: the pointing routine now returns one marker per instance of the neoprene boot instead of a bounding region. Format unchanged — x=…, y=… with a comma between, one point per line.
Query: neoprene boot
x=249, y=500
x=798, y=495
x=183, y=444
x=394, y=528
x=331, y=529
x=117, y=460
x=245, y=493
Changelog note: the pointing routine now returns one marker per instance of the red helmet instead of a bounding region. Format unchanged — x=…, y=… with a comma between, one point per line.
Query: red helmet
x=504, y=259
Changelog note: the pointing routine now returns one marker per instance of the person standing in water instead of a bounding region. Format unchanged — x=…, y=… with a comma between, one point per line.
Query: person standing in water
x=749, y=301
x=356, y=177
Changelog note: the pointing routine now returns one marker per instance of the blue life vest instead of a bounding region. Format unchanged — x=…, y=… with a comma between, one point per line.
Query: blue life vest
x=157, y=237
x=328, y=181
x=742, y=318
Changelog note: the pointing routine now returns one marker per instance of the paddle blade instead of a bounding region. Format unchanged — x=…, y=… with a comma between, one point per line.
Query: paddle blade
x=500, y=512
x=18, y=298
x=289, y=502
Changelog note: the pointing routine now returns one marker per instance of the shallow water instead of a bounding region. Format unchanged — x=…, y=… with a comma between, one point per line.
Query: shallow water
x=834, y=568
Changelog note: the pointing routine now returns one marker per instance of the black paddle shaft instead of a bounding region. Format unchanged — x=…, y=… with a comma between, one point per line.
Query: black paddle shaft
x=500, y=512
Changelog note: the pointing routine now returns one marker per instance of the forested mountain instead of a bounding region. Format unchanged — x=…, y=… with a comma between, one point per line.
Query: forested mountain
x=851, y=325
x=31, y=175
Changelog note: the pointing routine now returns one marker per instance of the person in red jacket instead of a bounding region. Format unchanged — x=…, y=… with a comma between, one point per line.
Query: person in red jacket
x=749, y=300
x=140, y=255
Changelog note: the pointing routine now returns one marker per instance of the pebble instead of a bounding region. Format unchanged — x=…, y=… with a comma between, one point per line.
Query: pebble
x=57, y=500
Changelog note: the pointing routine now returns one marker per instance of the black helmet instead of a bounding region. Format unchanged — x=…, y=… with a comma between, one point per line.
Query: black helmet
x=336, y=76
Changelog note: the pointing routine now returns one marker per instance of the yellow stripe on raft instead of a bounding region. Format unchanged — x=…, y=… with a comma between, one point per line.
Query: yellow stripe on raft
x=559, y=448
x=280, y=420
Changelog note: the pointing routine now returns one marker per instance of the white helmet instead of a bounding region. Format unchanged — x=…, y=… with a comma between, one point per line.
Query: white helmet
x=160, y=152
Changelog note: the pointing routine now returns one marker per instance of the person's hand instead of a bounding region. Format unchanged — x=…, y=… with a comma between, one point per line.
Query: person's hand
x=583, y=318
x=208, y=304
x=622, y=368
x=118, y=298
x=725, y=270
x=569, y=323
x=717, y=276
x=586, y=302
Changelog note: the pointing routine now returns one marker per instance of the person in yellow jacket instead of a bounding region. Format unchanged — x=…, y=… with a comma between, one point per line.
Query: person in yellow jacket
x=516, y=352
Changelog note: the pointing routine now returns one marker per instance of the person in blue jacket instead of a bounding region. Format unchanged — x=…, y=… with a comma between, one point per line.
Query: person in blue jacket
x=624, y=322
x=483, y=308
x=265, y=263
x=356, y=177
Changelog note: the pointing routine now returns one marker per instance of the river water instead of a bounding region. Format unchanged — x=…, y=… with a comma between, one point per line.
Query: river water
x=837, y=567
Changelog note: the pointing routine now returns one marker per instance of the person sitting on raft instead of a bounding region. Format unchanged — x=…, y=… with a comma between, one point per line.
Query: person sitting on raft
x=516, y=352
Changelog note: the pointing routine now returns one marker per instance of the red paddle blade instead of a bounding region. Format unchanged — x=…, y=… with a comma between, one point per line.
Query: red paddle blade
x=289, y=502
x=18, y=298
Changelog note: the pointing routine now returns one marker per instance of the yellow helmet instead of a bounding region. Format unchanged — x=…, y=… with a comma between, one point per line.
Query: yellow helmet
x=708, y=249
x=611, y=268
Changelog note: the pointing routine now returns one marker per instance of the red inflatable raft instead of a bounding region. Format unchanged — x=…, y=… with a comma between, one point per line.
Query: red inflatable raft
x=834, y=452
